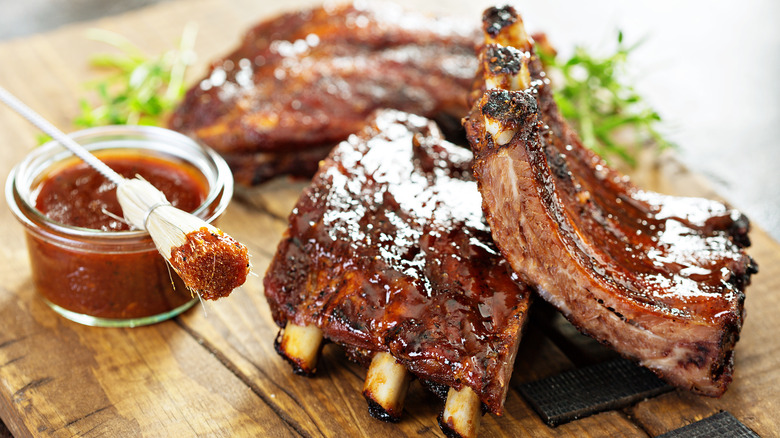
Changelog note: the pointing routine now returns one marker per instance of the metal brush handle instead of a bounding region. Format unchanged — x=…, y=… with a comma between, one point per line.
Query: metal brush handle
x=44, y=125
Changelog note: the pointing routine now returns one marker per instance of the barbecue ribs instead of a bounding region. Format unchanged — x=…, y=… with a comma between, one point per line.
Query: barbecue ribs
x=301, y=82
x=659, y=278
x=388, y=251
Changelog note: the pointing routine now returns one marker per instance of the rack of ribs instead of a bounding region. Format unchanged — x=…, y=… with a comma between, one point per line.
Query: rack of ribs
x=387, y=253
x=661, y=279
x=301, y=82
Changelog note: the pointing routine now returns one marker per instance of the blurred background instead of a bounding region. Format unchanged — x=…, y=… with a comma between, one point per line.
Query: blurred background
x=710, y=69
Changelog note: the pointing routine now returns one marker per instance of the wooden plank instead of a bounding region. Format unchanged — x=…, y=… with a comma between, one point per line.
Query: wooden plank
x=61, y=377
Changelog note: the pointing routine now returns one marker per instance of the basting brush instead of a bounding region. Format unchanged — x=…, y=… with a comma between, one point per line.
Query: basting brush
x=209, y=262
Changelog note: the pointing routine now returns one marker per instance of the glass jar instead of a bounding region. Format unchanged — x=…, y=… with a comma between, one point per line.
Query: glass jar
x=110, y=278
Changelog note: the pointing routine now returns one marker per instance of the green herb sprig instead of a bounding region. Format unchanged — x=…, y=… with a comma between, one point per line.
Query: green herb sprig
x=141, y=90
x=594, y=98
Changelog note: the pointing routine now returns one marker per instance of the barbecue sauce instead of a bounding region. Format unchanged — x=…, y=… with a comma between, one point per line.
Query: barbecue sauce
x=101, y=281
x=77, y=195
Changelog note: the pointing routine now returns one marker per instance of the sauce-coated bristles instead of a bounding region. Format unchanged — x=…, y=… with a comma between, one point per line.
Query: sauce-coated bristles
x=210, y=262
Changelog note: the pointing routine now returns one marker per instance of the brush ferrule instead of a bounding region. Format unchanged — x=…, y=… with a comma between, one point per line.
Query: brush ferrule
x=151, y=209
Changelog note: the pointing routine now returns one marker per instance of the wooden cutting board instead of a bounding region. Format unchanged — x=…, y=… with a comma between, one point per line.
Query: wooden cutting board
x=213, y=371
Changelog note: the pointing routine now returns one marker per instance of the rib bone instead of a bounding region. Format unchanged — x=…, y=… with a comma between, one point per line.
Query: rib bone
x=462, y=413
x=300, y=345
x=385, y=387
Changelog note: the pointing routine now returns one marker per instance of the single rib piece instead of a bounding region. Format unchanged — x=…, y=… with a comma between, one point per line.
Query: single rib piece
x=658, y=278
x=310, y=78
x=388, y=251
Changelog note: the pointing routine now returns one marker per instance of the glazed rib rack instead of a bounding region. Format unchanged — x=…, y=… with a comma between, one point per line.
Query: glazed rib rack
x=303, y=81
x=660, y=279
x=387, y=254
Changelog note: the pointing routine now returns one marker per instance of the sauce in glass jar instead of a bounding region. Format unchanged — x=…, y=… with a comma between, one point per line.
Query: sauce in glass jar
x=87, y=264
x=75, y=194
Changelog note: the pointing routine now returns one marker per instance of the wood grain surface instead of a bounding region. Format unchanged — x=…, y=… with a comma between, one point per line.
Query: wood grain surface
x=213, y=371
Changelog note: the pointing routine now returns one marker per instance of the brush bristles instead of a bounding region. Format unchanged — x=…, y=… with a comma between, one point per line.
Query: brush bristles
x=146, y=208
x=211, y=263
x=170, y=226
x=137, y=196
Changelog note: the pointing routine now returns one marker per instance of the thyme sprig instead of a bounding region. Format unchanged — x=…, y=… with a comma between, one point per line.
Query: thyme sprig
x=141, y=90
x=594, y=97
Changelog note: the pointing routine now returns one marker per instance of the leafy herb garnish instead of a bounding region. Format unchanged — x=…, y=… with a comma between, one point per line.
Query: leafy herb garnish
x=593, y=97
x=142, y=89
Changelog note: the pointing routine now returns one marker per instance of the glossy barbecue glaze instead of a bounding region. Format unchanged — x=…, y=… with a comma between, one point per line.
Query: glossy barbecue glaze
x=310, y=78
x=659, y=278
x=388, y=250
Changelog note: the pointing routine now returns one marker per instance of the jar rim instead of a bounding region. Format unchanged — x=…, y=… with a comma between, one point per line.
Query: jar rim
x=18, y=188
